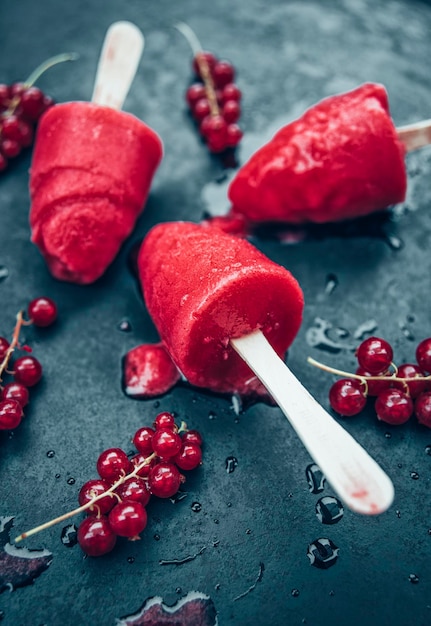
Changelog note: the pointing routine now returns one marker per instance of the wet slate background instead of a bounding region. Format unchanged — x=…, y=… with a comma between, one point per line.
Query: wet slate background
x=256, y=522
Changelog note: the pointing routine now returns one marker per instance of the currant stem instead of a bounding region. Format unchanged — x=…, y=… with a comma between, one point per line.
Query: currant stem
x=13, y=344
x=88, y=504
x=46, y=65
x=204, y=68
x=333, y=370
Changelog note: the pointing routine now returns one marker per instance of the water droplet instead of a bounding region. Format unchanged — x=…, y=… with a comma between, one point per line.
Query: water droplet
x=229, y=504
x=332, y=593
x=71, y=481
x=429, y=531
x=428, y=450
x=212, y=415
x=317, y=336
x=216, y=543
x=295, y=593
x=400, y=465
x=195, y=604
x=156, y=537
x=329, y=510
x=393, y=241
x=196, y=507
x=180, y=495
x=366, y=328
x=4, y=272
x=69, y=536
x=315, y=478
x=331, y=283
x=183, y=560
x=398, y=513
x=156, y=404
x=125, y=326
x=388, y=435
x=231, y=464
x=216, y=521
x=178, y=590
x=248, y=531
x=130, y=559
x=50, y=454
x=57, y=476
x=217, y=587
x=406, y=331
x=414, y=475
x=2, y=615
x=413, y=578
x=323, y=553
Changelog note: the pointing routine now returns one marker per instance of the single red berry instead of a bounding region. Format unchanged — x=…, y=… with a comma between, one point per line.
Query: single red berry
x=10, y=414
x=423, y=408
x=165, y=420
x=135, y=489
x=347, y=397
x=394, y=406
x=231, y=111
x=423, y=355
x=48, y=102
x=90, y=490
x=15, y=391
x=3, y=162
x=374, y=387
x=95, y=536
x=189, y=457
x=233, y=135
x=210, y=59
x=415, y=386
x=142, y=440
x=164, y=480
x=374, y=355
x=223, y=73
x=4, y=347
x=113, y=463
x=11, y=127
x=32, y=102
x=166, y=443
x=230, y=92
x=10, y=148
x=128, y=519
x=17, y=89
x=4, y=96
x=201, y=109
x=139, y=459
x=27, y=371
x=194, y=93
x=192, y=436
x=42, y=311
x=25, y=133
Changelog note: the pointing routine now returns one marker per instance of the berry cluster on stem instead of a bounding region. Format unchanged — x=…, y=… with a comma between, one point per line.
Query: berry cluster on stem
x=115, y=501
x=400, y=391
x=27, y=371
x=214, y=100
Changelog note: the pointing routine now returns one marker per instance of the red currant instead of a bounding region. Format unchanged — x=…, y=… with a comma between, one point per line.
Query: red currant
x=347, y=397
x=113, y=463
x=142, y=440
x=417, y=385
x=90, y=490
x=164, y=480
x=32, y=102
x=194, y=93
x=27, y=371
x=233, y=135
x=230, y=92
x=423, y=355
x=192, y=436
x=11, y=127
x=423, y=408
x=374, y=387
x=4, y=347
x=10, y=414
x=26, y=134
x=394, y=406
x=208, y=57
x=231, y=111
x=374, y=355
x=135, y=489
x=145, y=470
x=164, y=420
x=201, y=109
x=15, y=391
x=223, y=73
x=128, y=519
x=4, y=96
x=189, y=457
x=3, y=163
x=95, y=536
x=10, y=148
x=42, y=311
x=166, y=443
x=17, y=89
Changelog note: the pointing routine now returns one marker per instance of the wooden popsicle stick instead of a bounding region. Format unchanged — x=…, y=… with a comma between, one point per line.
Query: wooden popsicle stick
x=118, y=62
x=415, y=136
x=357, y=479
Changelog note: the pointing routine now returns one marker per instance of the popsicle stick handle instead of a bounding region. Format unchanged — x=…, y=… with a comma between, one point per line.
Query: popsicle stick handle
x=357, y=479
x=118, y=62
x=415, y=136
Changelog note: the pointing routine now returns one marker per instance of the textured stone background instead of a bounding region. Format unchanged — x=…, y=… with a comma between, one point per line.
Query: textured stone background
x=287, y=55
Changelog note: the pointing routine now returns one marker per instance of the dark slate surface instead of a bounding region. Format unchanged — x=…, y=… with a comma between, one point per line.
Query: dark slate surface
x=256, y=522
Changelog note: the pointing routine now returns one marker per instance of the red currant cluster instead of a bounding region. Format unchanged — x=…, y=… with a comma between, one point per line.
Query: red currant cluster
x=116, y=501
x=215, y=102
x=27, y=371
x=400, y=391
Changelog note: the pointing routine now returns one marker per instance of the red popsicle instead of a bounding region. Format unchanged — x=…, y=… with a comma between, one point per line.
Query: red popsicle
x=202, y=288
x=91, y=171
x=342, y=159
